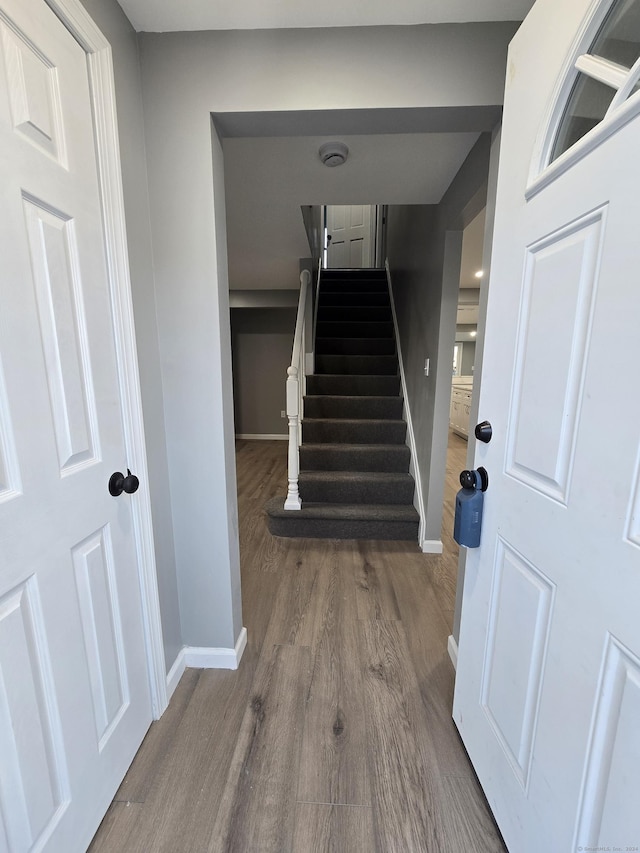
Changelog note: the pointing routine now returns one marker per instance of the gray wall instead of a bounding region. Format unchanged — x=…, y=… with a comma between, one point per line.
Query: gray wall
x=111, y=20
x=424, y=246
x=186, y=77
x=262, y=340
x=468, y=358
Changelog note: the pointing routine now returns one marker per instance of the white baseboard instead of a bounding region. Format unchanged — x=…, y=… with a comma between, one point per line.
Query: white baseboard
x=411, y=440
x=431, y=546
x=258, y=436
x=205, y=658
x=210, y=658
x=452, y=648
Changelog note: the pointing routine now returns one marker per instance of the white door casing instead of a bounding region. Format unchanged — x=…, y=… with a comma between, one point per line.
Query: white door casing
x=547, y=695
x=350, y=228
x=80, y=646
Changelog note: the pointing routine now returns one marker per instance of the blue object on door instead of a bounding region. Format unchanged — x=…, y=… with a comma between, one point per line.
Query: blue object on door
x=467, y=524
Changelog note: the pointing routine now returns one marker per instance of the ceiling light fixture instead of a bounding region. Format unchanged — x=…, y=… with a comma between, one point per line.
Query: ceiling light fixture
x=479, y=274
x=333, y=153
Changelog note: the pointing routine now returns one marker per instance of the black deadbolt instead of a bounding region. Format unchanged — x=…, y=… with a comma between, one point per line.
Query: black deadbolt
x=118, y=483
x=484, y=431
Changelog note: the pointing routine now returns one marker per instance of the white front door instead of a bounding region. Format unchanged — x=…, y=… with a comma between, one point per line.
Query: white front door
x=547, y=693
x=350, y=229
x=74, y=687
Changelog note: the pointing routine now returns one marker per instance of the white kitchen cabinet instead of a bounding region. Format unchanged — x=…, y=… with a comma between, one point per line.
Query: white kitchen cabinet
x=460, y=410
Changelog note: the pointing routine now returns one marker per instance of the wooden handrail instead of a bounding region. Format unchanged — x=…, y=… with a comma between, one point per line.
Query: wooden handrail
x=295, y=390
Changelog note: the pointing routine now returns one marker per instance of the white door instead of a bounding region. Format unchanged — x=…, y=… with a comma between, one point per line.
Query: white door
x=547, y=695
x=350, y=229
x=74, y=688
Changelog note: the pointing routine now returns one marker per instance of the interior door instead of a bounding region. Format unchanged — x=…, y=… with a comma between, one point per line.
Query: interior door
x=547, y=696
x=350, y=229
x=74, y=688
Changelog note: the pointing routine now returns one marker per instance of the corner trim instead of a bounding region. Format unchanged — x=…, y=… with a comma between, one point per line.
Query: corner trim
x=249, y=436
x=212, y=658
x=452, y=648
x=175, y=673
x=411, y=439
x=431, y=546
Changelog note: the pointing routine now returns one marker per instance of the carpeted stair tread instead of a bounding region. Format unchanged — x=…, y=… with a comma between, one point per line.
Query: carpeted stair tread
x=354, y=457
x=356, y=487
x=343, y=521
x=355, y=346
x=345, y=329
x=354, y=431
x=336, y=406
x=335, y=298
x=357, y=365
x=339, y=384
x=354, y=313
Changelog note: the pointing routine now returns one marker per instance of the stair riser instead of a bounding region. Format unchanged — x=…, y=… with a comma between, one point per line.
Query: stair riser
x=334, y=298
x=319, y=528
x=395, y=458
x=341, y=329
x=377, y=386
x=354, y=432
x=355, y=346
x=356, y=492
x=360, y=365
x=354, y=273
x=355, y=313
x=353, y=407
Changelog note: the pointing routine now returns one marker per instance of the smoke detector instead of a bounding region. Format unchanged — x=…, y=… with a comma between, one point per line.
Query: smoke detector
x=333, y=153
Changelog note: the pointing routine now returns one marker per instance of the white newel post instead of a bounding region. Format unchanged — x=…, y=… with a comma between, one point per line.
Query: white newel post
x=295, y=392
x=293, y=415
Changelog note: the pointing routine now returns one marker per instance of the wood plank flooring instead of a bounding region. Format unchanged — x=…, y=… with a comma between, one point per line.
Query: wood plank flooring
x=335, y=735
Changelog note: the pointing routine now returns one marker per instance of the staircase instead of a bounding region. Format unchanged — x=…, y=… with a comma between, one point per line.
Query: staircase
x=354, y=464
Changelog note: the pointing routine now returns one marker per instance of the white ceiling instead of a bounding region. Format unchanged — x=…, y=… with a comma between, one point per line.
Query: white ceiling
x=169, y=15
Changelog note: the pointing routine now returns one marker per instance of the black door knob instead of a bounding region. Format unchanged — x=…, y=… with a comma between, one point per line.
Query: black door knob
x=118, y=483
x=478, y=479
x=484, y=431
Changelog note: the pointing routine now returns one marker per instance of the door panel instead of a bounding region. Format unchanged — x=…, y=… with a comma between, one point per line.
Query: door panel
x=33, y=773
x=560, y=283
x=613, y=766
x=518, y=630
x=54, y=259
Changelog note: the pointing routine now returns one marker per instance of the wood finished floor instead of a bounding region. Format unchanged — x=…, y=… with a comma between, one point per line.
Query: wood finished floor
x=335, y=734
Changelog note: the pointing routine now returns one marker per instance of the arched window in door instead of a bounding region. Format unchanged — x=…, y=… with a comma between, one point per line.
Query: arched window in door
x=596, y=94
x=605, y=75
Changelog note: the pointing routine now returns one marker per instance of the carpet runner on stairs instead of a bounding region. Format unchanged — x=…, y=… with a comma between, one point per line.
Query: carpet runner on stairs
x=354, y=463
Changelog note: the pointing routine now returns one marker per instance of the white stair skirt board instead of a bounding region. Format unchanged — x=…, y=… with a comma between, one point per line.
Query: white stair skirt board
x=425, y=544
x=262, y=436
x=205, y=658
x=452, y=648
